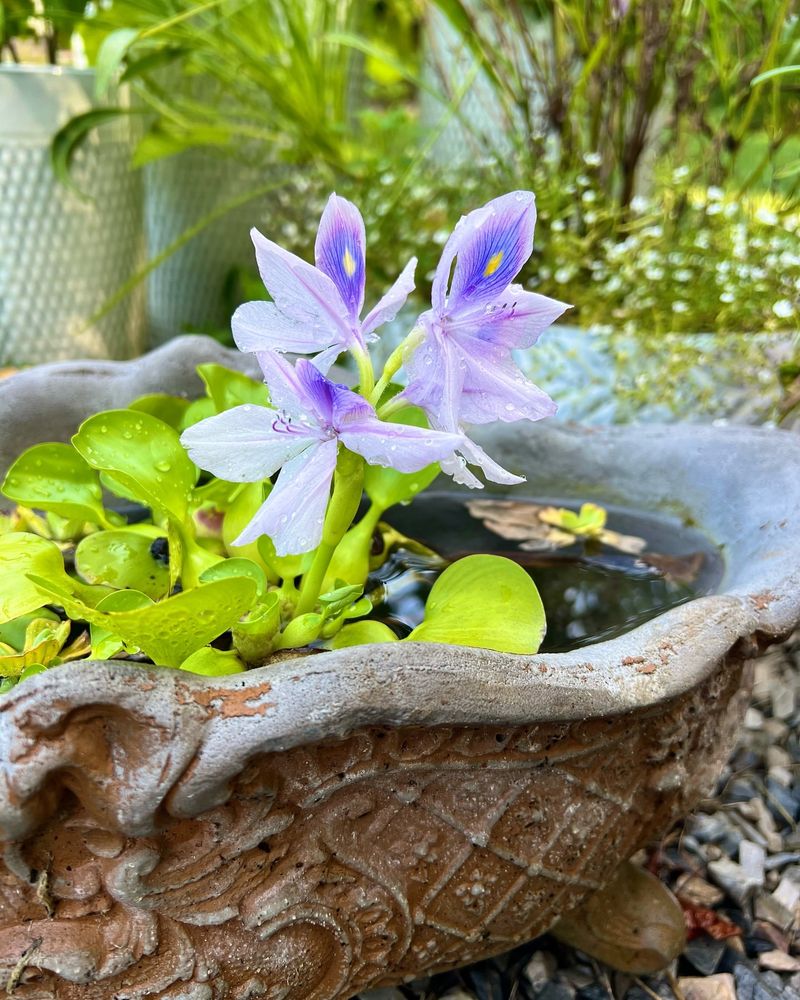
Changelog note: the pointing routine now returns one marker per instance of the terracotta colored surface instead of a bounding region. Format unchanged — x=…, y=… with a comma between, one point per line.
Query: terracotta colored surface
x=306, y=830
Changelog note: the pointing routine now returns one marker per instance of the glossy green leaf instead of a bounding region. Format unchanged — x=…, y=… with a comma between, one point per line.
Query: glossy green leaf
x=386, y=487
x=13, y=632
x=300, y=631
x=122, y=559
x=170, y=409
x=54, y=477
x=253, y=636
x=142, y=454
x=486, y=601
x=196, y=411
x=339, y=600
x=20, y=554
x=70, y=137
x=210, y=662
x=110, y=56
x=42, y=644
x=170, y=631
x=104, y=643
x=228, y=568
x=361, y=633
x=228, y=388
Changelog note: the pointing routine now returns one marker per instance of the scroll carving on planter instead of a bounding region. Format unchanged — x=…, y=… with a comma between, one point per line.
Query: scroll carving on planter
x=347, y=863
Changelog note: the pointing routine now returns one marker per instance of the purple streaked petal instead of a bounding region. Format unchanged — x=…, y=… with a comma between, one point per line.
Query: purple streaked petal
x=392, y=302
x=339, y=251
x=304, y=294
x=294, y=512
x=244, y=445
x=397, y=446
x=261, y=326
x=495, y=389
x=285, y=390
x=489, y=246
x=516, y=319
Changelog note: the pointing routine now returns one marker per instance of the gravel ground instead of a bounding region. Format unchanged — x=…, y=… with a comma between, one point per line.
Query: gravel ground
x=734, y=864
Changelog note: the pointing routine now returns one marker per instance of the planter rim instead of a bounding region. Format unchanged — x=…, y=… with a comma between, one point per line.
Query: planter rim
x=44, y=69
x=225, y=721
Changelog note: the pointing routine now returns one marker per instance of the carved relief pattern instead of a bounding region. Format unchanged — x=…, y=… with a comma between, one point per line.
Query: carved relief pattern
x=350, y=863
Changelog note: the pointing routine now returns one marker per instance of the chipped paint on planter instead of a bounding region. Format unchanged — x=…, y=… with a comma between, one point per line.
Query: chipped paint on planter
x=349, y=820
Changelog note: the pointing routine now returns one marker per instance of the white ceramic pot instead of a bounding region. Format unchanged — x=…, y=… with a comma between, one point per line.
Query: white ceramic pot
x=63, y=256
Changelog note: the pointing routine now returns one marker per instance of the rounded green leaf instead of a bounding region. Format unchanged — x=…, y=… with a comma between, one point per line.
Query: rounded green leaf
x=486, y=601
x=20, y=554
x=300, y=631
x=228, y=568
x=361, y=633
x=171, y=630
x=210, y=662
x=13, y=633
x=170, y=409
x=54, y=477
x=124, y=560
x=104, y=644
x=228, y=388
x=141, y=453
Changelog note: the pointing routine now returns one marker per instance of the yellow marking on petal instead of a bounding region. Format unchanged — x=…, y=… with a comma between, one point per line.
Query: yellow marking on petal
x=494, y=263
x=349, y=264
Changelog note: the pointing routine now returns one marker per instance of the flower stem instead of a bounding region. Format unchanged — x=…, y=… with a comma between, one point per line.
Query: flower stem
x=395, y=362
x=366, y=375
x=348, y=481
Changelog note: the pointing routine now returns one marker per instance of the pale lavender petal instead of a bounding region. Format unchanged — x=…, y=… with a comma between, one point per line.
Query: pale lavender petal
x=339, y=251
x=495, y=389
x=243, y=445
x=397, y=446
x=456, y=468
x=489, y=247
x=285, y=390
x=436, y=378
x=475, y=455
x=261, y=326
x=325, y=360
x=304, y=294
x=294, y=512
x=392, y=302
x=514, y=320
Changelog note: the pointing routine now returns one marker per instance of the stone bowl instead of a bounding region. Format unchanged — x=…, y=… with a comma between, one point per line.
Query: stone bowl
x=341, y=821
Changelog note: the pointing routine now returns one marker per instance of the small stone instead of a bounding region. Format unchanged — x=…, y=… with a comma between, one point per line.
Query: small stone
x=788, y=891
x=782, y=859
x=556, y=991
x=783, y=699
x=794, y=985
x=704, y=954
x=780, y=775
x=753, y=719
x=770, y=909
x=775, y=730
x=719, y=987
x=766, y=824
x=750, y=985
x=777, y=757
x=751, y=860
x=696, y=890
x=740, y=790
x=767, y=932
x=706, y=829
x=594, y=991
x=733, y=879
x=781, y=803
x=778, y=961
x=540, y=970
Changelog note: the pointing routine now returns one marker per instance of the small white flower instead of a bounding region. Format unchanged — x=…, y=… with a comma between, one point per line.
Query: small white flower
x=639, y=204
x=783, y=308
x=563, y=275
x=592, y=159
x=727, y=297
x=654, y=273
x=714, y=208
x=680, y=307
x=680, y=173
x=683, y=275
x=589, y=196
x=715, y=193
x=558, y=226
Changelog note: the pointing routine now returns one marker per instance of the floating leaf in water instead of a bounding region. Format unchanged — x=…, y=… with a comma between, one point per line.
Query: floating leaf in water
x=543, y=528
x=485, y=601
x=361, y=633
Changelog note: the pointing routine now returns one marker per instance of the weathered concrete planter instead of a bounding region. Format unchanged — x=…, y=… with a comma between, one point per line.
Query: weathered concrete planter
x=340, y=821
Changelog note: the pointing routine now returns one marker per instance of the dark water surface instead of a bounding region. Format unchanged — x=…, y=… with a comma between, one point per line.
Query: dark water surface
x=591, y=592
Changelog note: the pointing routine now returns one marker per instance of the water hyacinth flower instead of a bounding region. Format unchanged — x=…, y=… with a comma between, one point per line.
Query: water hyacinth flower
x=301, y=436
x=316, y=309
x=463, y=372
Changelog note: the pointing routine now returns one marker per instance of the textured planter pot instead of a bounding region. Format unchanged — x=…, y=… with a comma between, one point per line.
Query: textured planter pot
x=62, y=255
x=346, y=820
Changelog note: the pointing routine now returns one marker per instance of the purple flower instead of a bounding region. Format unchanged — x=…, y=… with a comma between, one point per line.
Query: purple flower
x=464, y=372
x=316, y=310
x=301, y=437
